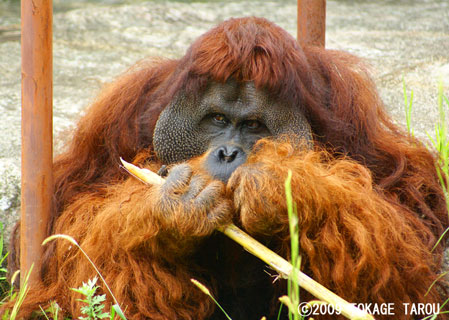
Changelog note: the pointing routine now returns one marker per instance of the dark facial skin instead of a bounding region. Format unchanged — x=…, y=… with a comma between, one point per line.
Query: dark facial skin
x=232, y=126
x=226, y=123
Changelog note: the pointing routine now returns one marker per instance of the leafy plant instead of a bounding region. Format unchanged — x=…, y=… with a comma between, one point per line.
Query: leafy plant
x=94, y=303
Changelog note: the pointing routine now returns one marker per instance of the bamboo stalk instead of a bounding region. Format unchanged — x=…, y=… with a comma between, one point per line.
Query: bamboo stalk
x=282, y=266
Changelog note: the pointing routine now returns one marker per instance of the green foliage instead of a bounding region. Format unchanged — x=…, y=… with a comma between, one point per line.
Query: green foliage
x=441, y=144
x=441, y=140
x=94, y=303
x=53, y=310
x=18, y=298
x=4, y=286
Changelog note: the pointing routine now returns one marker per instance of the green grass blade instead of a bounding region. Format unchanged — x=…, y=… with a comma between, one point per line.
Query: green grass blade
x=206, y=291
x=21, y=296
x=440, y=238
x=280, y=311
x=293, y=286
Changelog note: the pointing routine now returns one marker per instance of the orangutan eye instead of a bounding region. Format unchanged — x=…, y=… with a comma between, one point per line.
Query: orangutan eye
x=253, y=124
x=220, y=119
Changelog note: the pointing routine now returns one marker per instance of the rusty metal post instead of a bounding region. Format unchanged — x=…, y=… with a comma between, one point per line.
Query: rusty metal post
x=312, y=22
x=37, y=130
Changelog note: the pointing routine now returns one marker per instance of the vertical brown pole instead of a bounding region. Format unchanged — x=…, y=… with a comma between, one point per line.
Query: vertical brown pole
x=37, y=135
x=312, y=22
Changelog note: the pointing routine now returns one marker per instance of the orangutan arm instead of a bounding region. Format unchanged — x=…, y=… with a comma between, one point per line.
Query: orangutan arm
x=187, y=206
x=140, y=238
x=165, y=220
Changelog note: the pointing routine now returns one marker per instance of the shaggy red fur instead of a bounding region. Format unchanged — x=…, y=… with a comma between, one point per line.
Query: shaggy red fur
x=369, y=202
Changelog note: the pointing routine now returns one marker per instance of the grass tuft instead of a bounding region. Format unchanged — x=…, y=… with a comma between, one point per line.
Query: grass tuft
x=441, y=143
x=19, y=298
